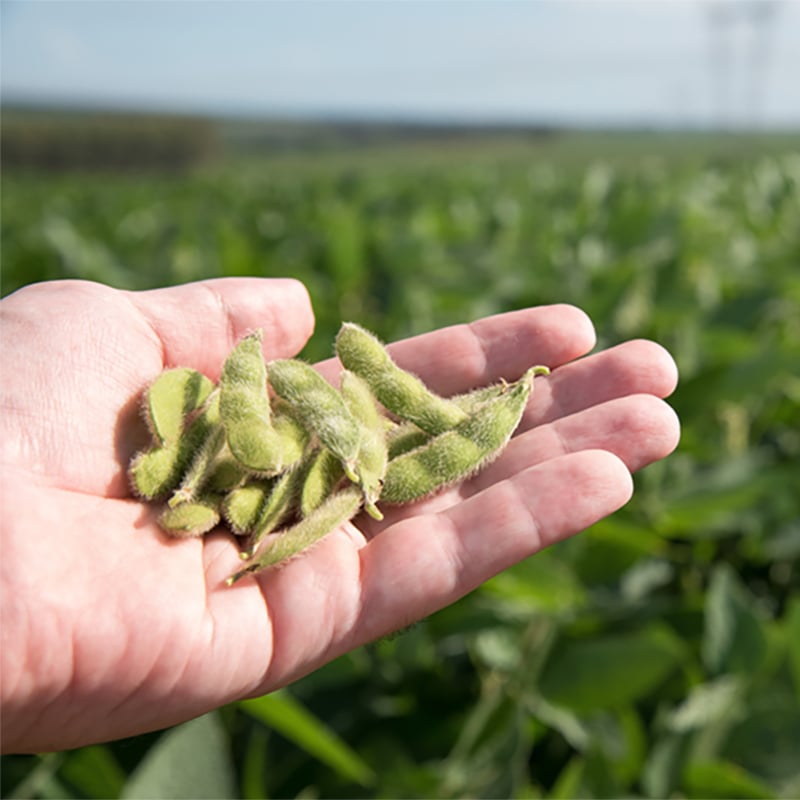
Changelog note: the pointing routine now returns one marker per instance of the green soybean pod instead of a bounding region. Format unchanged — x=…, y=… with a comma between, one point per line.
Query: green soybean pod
x=321, y=408
x=160, y=470
x=335, y=511
x=293, y=436
x=171, y=398
x=399, y=391
x=471, y=401
x=242, y=506
x=245, y=408
x=154, y=473
x=462, y=451
x=278, y=504
x=206, y=438
x=193, y=518
x=373, y=454
x=169, y=404
x=226, y=472
x=323, y=472
x=404, y=437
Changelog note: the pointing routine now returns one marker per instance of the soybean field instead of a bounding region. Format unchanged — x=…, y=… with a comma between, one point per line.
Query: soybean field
x=655, y=655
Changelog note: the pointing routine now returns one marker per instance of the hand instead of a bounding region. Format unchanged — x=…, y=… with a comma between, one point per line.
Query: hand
x=110, y=628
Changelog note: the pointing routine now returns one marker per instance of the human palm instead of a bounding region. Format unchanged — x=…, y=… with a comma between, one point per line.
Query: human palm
x=110, y=628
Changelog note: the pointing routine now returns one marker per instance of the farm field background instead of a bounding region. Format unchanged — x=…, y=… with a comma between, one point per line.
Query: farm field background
x=657, y=654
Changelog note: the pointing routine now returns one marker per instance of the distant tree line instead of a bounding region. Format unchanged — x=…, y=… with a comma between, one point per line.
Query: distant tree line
x=55, y=141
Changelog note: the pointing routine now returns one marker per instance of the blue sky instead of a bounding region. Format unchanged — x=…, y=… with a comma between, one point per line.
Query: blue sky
x=593, y=61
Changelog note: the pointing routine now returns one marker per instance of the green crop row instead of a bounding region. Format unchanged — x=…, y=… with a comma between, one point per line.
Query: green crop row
x=656, y=655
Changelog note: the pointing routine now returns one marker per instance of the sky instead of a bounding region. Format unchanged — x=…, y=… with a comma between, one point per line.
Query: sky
x=574, y=62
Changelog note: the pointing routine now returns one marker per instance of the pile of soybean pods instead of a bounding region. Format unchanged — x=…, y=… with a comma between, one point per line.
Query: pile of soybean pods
x=303, y=459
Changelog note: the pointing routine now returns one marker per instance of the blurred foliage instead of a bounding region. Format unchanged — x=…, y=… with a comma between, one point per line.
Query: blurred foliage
x=657, y=654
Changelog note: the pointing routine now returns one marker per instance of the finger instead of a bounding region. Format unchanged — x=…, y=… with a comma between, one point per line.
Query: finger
x=635, y=367
x=199, y=323
x=460, y=357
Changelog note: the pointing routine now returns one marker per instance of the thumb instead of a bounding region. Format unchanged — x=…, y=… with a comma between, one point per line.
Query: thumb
x=198, y=323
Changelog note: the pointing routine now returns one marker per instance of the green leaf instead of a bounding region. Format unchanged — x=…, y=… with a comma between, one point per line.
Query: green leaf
x=253, y=775
x=706, y=704
x=540, y=583
x=644, y=577
x=662, y=771
x=792, y=624
x=190, y=761
x=712, y=779
x=734, y=639
x=568, y=724
x=490, y=757
x=569, y=781
x=282, y=712
x=41, y=780
x=765, y=743
x=94, y=772
x=608, y=671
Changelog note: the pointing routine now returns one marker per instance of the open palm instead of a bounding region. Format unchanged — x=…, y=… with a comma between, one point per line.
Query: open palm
x=110, y=628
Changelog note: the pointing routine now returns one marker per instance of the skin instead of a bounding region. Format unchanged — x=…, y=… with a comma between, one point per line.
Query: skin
x=110, y=628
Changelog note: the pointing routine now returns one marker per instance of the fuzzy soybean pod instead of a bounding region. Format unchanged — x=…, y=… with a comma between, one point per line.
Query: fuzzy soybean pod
x=170, y=402
x=242, y=506
x=156, y=472
x=471, y=401
x=323, y=472
x=208, y=439
x=321, y=408
x=245, y=409
x=462, y=451
x=406, y=436
x=335, y=511
x=277, y=506
x=398, y=390
x=226, y=472
x=373, y=454
x=193, y=518
x=293, y=436
x=171, y=398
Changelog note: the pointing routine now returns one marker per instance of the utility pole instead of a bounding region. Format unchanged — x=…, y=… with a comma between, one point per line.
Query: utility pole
x=734, y=26
x=761, y=15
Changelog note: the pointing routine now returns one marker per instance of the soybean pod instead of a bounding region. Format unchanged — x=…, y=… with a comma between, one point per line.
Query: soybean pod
x=245, y=409
x=373, y=454
x=242, y=506
x=335, y=511
x=323, y=472
x=156, y=472
x=210, y=438
x=320, y=407
x=278, y=505
x=293, y=436
x=193, y=518
x=396, y=389
x=462, y=451
x=171, y=399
